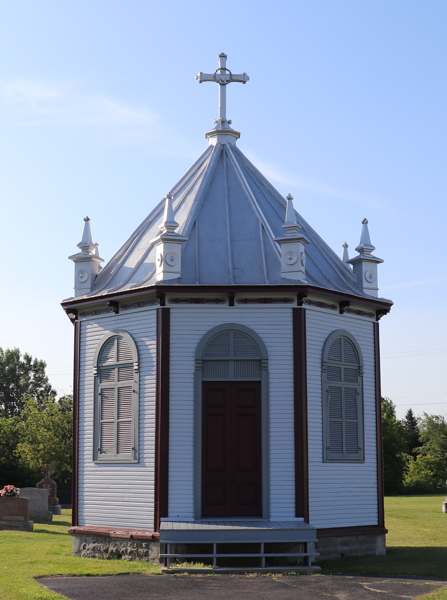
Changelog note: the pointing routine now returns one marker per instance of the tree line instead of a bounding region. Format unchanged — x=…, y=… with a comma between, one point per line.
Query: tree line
x=35, y=427
x=415, y=452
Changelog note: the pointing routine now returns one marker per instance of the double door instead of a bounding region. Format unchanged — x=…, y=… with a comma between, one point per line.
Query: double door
x=231, y=449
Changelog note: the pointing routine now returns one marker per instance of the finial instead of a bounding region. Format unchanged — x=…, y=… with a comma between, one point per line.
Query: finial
x=365, y=246
x=169, y=224
x=345, y=252
x=290, y=224
x=86, y=244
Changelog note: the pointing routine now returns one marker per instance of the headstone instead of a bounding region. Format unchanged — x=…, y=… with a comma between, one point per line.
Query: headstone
x=14, y=513
x=49, y=484
x=37, y=504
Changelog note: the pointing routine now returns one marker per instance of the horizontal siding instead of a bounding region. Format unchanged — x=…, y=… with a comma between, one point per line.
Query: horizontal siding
x=340, y=494
x=112, y=495
x=274, y=326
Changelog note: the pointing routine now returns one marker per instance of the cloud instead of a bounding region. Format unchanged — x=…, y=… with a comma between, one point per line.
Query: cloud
x=33, y=102
x=415, y=283
x=274, y=173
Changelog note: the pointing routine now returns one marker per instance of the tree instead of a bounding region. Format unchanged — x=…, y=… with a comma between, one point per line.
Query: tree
x=21, y=376
x=393, y=448
x=428, y=471
x=412, y=433
x=45, y=436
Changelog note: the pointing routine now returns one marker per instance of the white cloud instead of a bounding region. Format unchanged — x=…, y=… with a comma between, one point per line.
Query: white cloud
x=33, y=102
x=274, y=173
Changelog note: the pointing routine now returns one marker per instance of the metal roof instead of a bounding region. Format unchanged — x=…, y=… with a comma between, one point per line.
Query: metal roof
x=231, y=216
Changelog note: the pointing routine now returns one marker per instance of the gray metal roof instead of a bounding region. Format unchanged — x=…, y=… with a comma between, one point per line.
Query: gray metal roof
x=230, y=214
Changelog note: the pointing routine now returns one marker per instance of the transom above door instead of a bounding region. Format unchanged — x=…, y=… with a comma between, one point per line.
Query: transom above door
x=231, y=459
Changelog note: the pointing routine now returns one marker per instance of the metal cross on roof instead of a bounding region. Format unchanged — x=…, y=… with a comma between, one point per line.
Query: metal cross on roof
x=223, y=77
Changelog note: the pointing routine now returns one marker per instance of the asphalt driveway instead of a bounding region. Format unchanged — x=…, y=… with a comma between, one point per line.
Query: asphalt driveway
x=237, y=587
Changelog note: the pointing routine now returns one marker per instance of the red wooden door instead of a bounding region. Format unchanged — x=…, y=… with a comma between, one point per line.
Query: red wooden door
x=231, y=463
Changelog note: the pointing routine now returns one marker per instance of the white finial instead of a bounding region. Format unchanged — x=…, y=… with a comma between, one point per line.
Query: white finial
x=86, y=244
x=365, y=245
x=290, y=224
x=169, y=224
x=87, y=262
x=365, y=264
x=345, y=252
x=223, y=76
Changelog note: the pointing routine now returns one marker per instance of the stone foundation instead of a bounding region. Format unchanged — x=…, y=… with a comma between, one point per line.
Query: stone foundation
x=332, y=548
x=125, y=544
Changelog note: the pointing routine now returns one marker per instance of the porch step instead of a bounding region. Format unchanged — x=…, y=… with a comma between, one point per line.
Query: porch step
x=238, y=546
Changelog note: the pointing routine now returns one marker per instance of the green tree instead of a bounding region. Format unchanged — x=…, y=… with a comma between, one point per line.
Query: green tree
x=46, y=436
x=428, y=471
x=21, y=376
x=393, y=448
x=412, y=433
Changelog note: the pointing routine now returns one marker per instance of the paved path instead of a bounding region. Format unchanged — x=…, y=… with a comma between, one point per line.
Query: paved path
x=240, y=587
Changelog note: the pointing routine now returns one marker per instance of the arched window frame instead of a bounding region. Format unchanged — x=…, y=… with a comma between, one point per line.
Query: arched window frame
x=133, y=456
x=263, y=357
x=329, y=456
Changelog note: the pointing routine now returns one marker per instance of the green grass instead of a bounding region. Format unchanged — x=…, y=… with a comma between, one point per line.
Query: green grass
x=47, y=551
x=417, y=546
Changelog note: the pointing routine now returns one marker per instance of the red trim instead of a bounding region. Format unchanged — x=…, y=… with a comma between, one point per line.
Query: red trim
x=75, y=425
x=348, y=531
x=133, y=534
x=162, y=417
x=379, y=438
x=303, y=290
x=300, y=398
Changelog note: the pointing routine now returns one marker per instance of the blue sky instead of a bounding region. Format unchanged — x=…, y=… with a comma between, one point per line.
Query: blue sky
x=100, y=114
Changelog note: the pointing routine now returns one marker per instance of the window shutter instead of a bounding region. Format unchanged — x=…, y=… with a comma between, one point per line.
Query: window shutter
x=343, y=396
x=117, y=400
x=108, y=417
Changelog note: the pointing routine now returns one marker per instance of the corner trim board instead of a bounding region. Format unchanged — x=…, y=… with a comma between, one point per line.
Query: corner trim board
x=300, y=401
x=75, y=423
x=162, y=417
x=379, y=439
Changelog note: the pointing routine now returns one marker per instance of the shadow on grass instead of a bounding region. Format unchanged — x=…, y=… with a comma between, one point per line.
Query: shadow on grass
x=405, y=561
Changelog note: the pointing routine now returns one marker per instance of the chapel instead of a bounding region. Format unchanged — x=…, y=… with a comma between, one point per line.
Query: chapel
x=227, y=378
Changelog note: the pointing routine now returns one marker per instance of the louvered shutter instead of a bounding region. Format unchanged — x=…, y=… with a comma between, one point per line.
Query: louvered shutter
x=344, y=403
x=231, y=355
x=117, y=401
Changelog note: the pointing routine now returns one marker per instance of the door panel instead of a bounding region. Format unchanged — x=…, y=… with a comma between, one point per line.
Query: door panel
x=231, y=461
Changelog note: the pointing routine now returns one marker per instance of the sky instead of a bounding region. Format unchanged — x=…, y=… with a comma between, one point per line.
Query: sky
x=100, y=115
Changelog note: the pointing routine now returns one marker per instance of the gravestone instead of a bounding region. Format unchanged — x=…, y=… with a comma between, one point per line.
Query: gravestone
x=49, y=484
x=14, y=513
x=37, y=504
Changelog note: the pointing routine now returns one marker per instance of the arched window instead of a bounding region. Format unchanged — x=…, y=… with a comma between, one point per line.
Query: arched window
x=342, y=376
x=115, y=368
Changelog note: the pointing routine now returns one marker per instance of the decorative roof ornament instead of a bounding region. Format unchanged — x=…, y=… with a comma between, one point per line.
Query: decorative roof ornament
x=169, y=224
x=87, y=262
x=222, y=133
x=365, y=263
x=86, y=244
x=345, y=247
x=290, y=224
x=365, y=246
x=293, y=246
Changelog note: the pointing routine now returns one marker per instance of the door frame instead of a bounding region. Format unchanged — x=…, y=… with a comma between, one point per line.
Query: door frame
x=198, y=404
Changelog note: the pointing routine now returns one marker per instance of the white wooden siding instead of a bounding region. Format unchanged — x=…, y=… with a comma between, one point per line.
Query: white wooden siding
x=113, y=495
x=340, y=494
x=274, y=326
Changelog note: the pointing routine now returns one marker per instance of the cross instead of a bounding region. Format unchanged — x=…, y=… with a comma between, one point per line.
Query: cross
x=47, y=470
x=223, y=77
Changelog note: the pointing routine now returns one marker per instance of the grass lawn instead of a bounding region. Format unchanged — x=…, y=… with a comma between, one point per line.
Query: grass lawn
x=417, y=546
